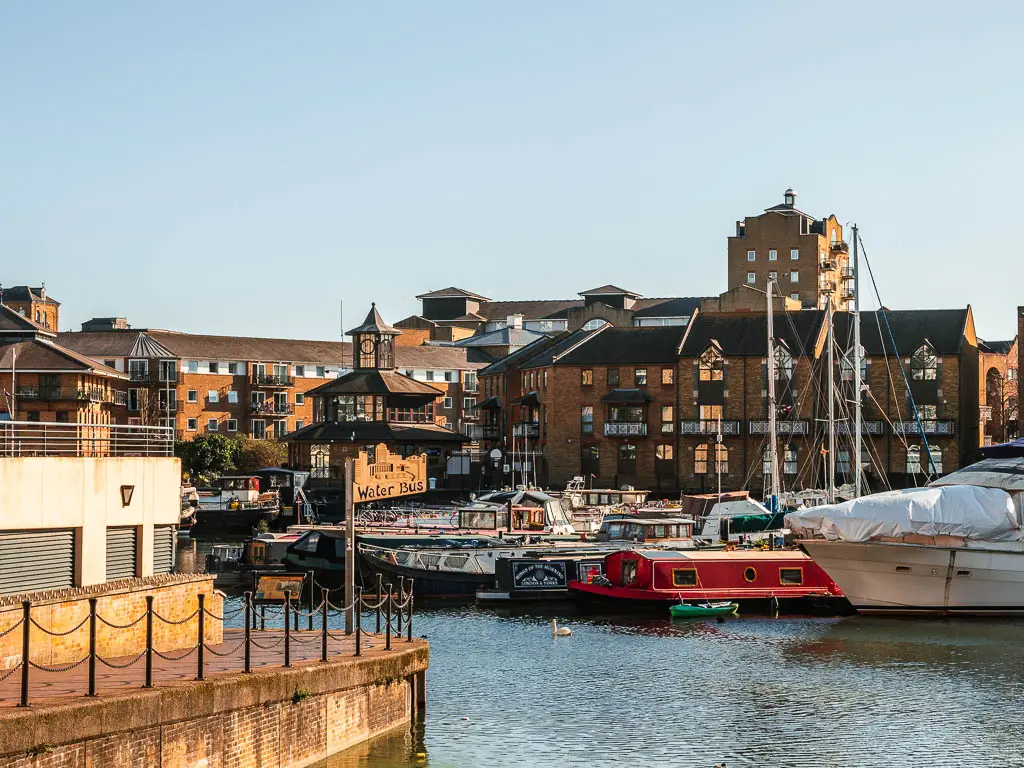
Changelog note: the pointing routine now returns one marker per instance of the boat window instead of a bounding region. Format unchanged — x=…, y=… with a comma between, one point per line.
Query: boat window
x=308, y=542
x=749, y=574
x=339, y=548
x=615, y=530
x=684, y=577
x=791, y=576
x=659, y=531
x=629, y=571
x=634, y=531
x=604, y=498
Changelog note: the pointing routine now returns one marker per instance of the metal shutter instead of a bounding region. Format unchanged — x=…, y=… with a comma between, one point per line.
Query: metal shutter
x=34, y=560
x=121, y=552
x=164, y=539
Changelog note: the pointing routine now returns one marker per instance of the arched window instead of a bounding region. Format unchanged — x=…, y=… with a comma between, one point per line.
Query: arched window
x=700, y=459
x=766, y=464
x=914, y=460
x=789, y=460
x=924, y=366
x=783, y=363
x=721, y=459
x=594, y=324
x=711, y=365
x=846, y=366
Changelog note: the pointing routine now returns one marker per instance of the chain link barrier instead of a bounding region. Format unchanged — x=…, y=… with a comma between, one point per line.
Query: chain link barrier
x=51, y=633
x=61, y=668
x=115, y=665
x=120, y=626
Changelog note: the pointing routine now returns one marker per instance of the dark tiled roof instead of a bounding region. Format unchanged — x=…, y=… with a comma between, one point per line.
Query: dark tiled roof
x=609, y=290
x=44, y=355
x=503, y=337
x=101, y=343
x=627, y=345
x=451, y=292
x=530, y=310
x=679, y=307
x=745, y=334
x=374, y=323
x=546, y=355
x=375, y=382
x=943, y=328
x=996, y=347
x=376, y=431
x=26, y=293
x=523, y=353
x=13, y=321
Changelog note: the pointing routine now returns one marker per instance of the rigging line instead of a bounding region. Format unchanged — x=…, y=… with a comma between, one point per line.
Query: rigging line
x=906, y=381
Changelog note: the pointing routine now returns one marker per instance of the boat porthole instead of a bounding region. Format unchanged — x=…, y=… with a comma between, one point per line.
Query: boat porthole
x=749, y=574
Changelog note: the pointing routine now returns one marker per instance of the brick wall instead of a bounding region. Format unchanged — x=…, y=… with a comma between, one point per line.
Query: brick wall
x=121, y=602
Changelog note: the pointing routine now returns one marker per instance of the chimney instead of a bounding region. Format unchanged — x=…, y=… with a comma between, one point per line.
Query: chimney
x=514, y=321
x=42, y=292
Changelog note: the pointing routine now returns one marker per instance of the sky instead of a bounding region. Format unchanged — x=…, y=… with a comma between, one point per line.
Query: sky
x=251, y=168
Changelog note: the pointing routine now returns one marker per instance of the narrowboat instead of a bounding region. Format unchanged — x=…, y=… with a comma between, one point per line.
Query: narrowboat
x=234, y=504
x=786, y=579
x=233, y=564
x=664, y=531
x=541, y=576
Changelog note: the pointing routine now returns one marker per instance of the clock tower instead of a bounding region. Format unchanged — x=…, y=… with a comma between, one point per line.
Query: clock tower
x=373, y=343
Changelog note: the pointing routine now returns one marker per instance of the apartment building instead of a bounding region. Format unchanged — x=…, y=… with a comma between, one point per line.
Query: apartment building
x=32, y=303
x=997, y=391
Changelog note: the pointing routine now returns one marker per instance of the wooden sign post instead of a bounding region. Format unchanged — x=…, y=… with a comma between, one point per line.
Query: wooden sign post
x=388, y=476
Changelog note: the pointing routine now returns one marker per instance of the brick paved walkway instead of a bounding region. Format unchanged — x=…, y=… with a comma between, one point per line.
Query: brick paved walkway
x=50, y=687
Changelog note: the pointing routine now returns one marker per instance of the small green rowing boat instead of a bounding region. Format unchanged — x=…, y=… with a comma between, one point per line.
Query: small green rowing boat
x=687, y=611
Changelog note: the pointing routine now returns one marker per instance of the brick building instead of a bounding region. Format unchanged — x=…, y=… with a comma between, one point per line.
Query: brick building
x=997, y=391
x=34, y=304
x=808, y=257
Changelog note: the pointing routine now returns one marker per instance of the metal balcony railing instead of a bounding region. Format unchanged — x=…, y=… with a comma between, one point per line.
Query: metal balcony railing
x=931, y=427
x=154, y=376
x=625, y=429
x=874, y=428
x=36, y=438
x=272, y=380
x=526, y=429
x=490, y=431
x=839, y=246
x=84, y=394
x=781, y=427
x=708, y=427
x=848, y=273
x=270, y=408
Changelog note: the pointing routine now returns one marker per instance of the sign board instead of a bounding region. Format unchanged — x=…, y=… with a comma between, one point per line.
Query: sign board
x=272, y=589
x=388, y=476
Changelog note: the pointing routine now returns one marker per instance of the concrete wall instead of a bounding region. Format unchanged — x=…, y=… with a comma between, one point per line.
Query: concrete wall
x=85, y=494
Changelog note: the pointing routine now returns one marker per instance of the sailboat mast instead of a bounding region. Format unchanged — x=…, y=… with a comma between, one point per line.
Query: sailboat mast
x=830, y=478
x=772, y=441
x=857, y=383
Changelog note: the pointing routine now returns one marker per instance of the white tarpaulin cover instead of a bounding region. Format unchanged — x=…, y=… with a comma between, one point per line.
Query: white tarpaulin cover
x=968, y=511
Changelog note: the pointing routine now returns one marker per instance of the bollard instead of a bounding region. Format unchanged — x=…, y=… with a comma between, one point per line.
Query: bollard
x=249, y=614
x=287, y=630
x=92, y=646
x=202, y=635
x=359, y=621
x=380, y=596
x=26, y=620
x=401, y=600
x=149, y=642
x=323, y=625
x=387, y=636
x=311, y=608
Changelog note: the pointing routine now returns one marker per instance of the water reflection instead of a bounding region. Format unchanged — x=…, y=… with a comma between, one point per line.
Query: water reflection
x=752, y=691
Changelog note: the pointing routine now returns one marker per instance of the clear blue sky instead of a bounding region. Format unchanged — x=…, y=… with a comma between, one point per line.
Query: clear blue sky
x=239, y=167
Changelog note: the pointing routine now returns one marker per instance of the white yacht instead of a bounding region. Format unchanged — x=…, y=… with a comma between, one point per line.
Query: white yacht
x=954, y=547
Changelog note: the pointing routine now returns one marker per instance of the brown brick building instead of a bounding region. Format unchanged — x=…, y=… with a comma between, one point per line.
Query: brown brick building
x=997, y=390
x=32, y=303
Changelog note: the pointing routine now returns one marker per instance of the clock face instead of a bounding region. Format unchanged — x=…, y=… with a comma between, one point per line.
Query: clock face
x=367, y=345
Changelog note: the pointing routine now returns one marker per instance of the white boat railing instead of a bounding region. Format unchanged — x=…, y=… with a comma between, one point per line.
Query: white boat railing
x=440, y=560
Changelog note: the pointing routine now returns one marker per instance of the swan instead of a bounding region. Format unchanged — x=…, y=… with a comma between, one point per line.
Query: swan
x=558, y=631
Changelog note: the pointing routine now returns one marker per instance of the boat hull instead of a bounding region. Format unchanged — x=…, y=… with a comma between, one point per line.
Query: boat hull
x=896, y=578
x=428, y=583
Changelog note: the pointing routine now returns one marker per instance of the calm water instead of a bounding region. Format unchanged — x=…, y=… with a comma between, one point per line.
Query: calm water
x=751, y=692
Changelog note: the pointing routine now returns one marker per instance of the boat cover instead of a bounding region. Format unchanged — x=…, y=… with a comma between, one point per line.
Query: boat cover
x=1005, y=473
x=967, y=511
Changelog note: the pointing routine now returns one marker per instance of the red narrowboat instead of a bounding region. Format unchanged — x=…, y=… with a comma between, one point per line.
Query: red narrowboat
x=659, y=576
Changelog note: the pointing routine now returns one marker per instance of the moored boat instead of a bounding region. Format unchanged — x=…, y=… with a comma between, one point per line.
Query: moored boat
x=703, y=610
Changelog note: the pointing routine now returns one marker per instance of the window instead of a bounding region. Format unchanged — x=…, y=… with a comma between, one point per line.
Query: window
x=843, y=465
x=33, y=416
x=640, y=377
x=789, y=460
x=791, y=576
x=710, y=413
x=795, y=296
x=710, y=365
x=212, y=425
x=300, y=370
x=193, y=396
x=667, y=419
x=110, y=363
x=664, y=460
x=590, y=460
x=914, y=460
x=794, y=276
x=447, y=375
x=613, y=377
x=684, y=577
x=280, y=428
x=138, y=370
x=751, y=255
x=751, y=278
x=766, y=464
x=232, y=396
x=773, y=275
x=430, y=375
x=409, y=374
x=846, y=366
x=587, y=419
x=749, y=574
x=62, y=417
x=1011, y=374
x=193, y=366
x=468, y=403
x=168, y=370
x=783, y=363
x=470, y=383
x=924, y=366
x=232, y=425
x=214, y=367
x=193, y=425
x=259, y=429
x=321, y=372
x=667, y=376
x=213, y=396
x=794, y=254
x=627, y=459
x=700, y=459
x=587, y=377
x=300, y=398
x=448, y=403
x=134, y=400
x=721, y=459
x=299, y=424
x=773, y=255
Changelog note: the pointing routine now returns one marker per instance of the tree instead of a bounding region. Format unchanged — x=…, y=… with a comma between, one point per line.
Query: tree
x=205, y=457
x=256, y=454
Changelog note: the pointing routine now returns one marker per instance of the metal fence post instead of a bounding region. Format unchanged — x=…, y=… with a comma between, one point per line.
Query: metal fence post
x=380, y=599
x=149, y=641
x=202, y=635
x=358, y=606
x=250, y=618
x=323, y=624
x=401, y=599
x=408, y=623
x=287, y=630
x=263, y=616
x=92, y=646
x=26, y=620
x=387, y=636
x=311, y=608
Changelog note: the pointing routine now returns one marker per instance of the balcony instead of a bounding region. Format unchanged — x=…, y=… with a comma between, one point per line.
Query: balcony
x=490, y=432
x=839, y=246
x=85, y=394
x=270, y=408
x=526, y=429
x=35, y=438
x=708, y=427
x=271, y=380
x=781, y=427
x=847, y=273
x=154, y=377
x=873, y=428
x=931, y=427
x=625, y=429
x=827, y=263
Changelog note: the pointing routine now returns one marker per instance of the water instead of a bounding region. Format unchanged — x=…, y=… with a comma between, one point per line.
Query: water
x=851, y=692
